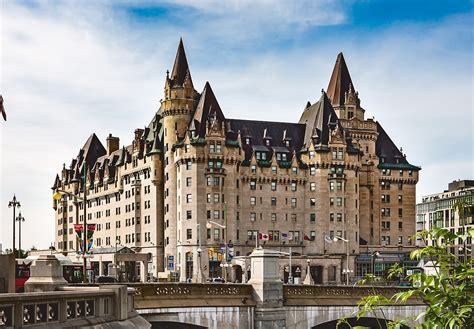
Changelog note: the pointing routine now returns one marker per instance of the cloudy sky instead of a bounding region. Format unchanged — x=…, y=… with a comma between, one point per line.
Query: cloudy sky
x=70, y=68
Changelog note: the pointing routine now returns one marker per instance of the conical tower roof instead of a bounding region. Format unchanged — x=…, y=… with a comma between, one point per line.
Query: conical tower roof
x=180, y=67
x=340, y=82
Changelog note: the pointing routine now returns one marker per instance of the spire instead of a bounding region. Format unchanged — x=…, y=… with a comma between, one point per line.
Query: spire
x=180, y=68
x=307, y=105
x=340, y=82
x=207, y=107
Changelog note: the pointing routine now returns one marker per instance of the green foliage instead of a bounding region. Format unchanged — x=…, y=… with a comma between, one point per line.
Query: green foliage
x=448, y=293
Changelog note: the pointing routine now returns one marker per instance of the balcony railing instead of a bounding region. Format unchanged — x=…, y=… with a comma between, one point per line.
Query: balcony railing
x=220, y=171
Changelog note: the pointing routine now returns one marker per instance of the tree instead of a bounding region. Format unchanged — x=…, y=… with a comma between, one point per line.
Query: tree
x=448, y=293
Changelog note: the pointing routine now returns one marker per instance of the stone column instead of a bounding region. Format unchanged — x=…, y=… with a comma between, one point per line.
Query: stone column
x=101, y=266
x=338, y=274
x=325, y=274
x=267, y=290
x=143, y=271
x=45, y=275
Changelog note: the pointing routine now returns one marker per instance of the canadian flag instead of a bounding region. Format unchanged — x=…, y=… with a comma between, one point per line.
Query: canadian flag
x=307, y=238
x=263, y=237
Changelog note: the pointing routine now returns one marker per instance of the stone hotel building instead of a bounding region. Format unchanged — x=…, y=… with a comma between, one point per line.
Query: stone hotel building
x=196, y=190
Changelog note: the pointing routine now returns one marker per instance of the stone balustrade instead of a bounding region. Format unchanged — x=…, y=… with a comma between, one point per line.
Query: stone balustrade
x=300, y=295
x=156, y=295
x=70, y=307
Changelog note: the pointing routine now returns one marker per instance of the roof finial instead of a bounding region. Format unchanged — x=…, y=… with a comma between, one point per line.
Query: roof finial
x=167, y=74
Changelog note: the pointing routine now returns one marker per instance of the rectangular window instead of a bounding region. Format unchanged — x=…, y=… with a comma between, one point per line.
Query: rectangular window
x=339, y=186
x=209, y=200
x=188, y=165
x=331, y=201
x=189, y=214
x=339, y=217
x=189, y=198
x=216, y=181
x=217, y=234
x=312, y=202
x=253, y=169
x=312, y=217
x=212, y=148
x=216, y=214
x=311, y=154
x=209, y=181
x=188, y=181
x=274, y=201
x=253, y=185
x=253, y=216
x=400, y=212
x=331, y=217
x=274, y=217
x=312, y=235
x=331, y=186
x=274, y=186
x=339, y=201
x=216, y=197
x=312, y=186
x=312, y=170
x=274, y=170
x=293, y=186
x=189, y=233
x=219, y=147
x=293, y=202
x=294, y=170
x=253, y=201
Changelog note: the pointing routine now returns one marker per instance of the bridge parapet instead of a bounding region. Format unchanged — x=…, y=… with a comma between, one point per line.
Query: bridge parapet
x=157, y=295
x=72, y=307
x=300, y=295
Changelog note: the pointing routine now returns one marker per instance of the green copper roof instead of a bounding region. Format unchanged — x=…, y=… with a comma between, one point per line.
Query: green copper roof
x=398, y=166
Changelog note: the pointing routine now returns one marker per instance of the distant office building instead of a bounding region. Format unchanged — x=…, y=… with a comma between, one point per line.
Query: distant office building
x=435, y=210
x=193, y=178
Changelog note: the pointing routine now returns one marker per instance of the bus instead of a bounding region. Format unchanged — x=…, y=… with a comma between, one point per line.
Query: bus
x=72, y=272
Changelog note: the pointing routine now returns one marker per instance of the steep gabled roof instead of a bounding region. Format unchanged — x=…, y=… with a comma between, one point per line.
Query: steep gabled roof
x=92, y=150
x=180, y=67
x=386, y=148
x=255, y=131
x=207, y=107
x=317, y=118
x=339, y=83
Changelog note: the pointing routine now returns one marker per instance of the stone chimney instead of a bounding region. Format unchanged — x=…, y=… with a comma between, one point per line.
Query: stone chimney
x=113, y=144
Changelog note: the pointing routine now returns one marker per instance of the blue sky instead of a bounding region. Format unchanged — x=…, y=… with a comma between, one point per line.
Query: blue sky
x=70, y=68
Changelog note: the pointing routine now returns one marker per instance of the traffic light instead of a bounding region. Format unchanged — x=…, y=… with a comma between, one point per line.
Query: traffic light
x=211, y=253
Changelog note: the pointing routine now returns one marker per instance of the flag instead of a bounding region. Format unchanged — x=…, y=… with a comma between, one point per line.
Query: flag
x=2, y=109
x=284, y=236
x=327, y=239
x=263, y=237
x=305, y=237
x=290, y=236
x=90, y=233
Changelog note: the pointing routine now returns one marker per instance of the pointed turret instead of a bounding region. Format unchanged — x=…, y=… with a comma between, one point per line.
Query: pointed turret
x=340, y=82
x=207, y=107
x=180, y=71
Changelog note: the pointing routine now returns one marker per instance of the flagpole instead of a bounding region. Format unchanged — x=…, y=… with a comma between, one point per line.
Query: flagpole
x=290, y=276
x=84, y=240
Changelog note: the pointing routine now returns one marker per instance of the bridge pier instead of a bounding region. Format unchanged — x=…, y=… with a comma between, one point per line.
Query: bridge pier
x=267, y=290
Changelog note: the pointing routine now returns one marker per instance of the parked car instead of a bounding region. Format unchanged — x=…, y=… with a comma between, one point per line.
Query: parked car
x=216, y=280
x=106, y=279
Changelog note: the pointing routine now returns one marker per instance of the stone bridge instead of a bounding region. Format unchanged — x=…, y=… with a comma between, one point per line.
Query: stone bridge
x=262, y=303
x=181, y=305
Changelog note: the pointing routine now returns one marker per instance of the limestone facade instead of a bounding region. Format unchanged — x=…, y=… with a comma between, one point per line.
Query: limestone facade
x=195, y=186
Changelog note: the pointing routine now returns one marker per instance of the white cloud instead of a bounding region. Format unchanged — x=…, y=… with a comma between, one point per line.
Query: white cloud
x=69, y=70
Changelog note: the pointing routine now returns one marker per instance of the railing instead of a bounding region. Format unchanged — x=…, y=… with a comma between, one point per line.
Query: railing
x=76, y=306
x=294, y=295
x=215, y=171
x=156, y=295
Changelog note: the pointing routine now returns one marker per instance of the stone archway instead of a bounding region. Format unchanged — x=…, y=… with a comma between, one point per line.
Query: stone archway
x=368, y=322
x=174, y=325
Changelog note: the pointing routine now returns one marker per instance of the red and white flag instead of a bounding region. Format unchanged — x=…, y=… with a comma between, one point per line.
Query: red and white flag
x=263, y=237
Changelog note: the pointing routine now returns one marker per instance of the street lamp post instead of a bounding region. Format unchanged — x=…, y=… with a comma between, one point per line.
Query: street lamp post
x=15, y=204
x=375, y=254
x=209, y=225
x=57, y=196
x=19, y=219
x=199, y=251
x=336, y=237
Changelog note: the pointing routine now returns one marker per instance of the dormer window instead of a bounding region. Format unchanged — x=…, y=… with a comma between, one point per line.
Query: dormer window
x=267, y=142
x=287, y=143
x=261, y=155
x=186, y=148
x=282, y=157
x=247, y=141
x=212, y=148
x=311, y=154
